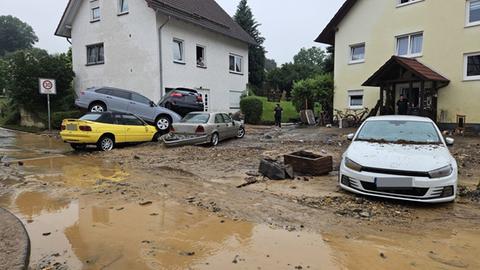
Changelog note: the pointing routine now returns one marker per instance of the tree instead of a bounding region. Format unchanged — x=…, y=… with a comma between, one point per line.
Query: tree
x=319, y=89
x=25, y=67
x=256, y=52
x=15, y=35
x=283, y=78
x=314, y=57
x=270, y=64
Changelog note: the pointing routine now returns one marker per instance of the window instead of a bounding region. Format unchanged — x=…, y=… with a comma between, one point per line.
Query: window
x=473, y=12
x=357, y=53
x=472, y=66
x=235, y=65
x=201, y=57
x=121, y=94
x=410, y=45
x=401, y=3
x=95, y=54
x=227, y=118
x=122, y=7
x=235, y=99
x=140, y=99
x=95, y=11
x=355, y=99
x=219, y=119
x=131, y=120
x=178, y=53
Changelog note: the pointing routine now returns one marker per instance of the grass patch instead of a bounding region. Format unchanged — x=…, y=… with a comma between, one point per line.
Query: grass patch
x=268, y=115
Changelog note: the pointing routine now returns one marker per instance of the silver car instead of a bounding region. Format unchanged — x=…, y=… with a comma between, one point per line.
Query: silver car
x=117, y=100
x=204, y=128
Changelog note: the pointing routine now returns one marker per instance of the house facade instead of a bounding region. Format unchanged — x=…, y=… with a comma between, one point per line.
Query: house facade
x=153, y=46
x=426, y=50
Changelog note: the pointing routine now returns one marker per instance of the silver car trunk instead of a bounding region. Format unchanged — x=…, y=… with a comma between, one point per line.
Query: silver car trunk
x=186, y=128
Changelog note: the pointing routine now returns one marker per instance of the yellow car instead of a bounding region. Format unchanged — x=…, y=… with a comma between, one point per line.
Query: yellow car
x=105, y=130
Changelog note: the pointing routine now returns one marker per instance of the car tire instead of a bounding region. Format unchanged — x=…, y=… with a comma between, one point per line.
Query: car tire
x=156, y=137
x=215, y=139
x=241, y=133
x=97, y=107
x=78, y=147
x=106, y=143
x=163, y=123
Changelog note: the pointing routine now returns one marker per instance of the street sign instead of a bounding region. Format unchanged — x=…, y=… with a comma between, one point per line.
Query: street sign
x=48, y=86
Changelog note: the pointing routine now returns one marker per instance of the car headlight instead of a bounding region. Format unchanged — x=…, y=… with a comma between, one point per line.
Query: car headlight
x=353, y=165
x=442, y=172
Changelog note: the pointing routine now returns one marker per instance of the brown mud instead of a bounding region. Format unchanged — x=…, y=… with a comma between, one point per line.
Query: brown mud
x=149, y=207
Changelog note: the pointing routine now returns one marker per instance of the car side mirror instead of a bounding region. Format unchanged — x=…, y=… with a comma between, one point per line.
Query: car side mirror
x=350, y=136
x=449, y=141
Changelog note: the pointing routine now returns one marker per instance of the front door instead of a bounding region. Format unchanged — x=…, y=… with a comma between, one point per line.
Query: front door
x=205, y=93
x=412, y=95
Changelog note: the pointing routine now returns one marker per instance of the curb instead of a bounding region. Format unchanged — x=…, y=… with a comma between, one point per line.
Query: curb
x=13, y=234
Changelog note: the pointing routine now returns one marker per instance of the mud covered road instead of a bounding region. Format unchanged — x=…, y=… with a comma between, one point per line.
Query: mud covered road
x=150, y=207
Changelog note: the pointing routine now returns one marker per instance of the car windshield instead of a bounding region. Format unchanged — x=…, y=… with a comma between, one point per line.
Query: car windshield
x=196, y=118
x=404, y=132
x=97, y=117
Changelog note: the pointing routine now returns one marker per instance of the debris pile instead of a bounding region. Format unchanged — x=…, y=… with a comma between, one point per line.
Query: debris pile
x=275, y=170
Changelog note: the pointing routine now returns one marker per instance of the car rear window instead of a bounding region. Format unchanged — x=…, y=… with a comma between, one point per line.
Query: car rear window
x=397, y=131
x=196, y=118
x=105, y=118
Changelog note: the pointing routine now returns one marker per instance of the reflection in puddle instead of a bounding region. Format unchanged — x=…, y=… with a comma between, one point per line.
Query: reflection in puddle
x=80, y=171
x=92, y=234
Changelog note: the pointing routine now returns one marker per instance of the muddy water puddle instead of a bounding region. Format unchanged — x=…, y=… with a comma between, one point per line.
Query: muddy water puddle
x=90, y=233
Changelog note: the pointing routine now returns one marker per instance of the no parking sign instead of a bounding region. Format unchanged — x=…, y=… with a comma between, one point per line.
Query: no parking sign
x=48, y=86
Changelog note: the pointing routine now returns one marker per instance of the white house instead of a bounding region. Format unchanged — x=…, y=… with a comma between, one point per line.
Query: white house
x=152, y=46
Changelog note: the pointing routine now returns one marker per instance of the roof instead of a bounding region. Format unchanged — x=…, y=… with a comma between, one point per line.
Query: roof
x=413, y=65
x=204, y=13
x=328, y=34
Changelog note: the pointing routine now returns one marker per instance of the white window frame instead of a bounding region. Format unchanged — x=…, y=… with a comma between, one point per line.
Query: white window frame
x=120, y=11
x=467, y=16
x=465, y=64
x=204, y=56
x=95, y=4
x=236, y=57
x=182, y=51
x=358, y=61
x=409, y=54
x=355, y=93
x=399, y=4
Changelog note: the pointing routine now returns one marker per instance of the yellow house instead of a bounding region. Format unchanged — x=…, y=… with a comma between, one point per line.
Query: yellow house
x=426, y=50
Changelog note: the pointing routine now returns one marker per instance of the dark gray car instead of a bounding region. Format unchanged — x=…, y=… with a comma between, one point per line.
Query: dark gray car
x=118, y=100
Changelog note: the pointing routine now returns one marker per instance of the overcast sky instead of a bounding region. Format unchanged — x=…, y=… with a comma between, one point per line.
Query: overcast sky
x=286, y=25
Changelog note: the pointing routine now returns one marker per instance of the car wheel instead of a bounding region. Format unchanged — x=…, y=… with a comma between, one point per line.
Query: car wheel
x=106, y=143
x=214, y=140
x=241, y=133
x=156, y=137
x=78, y=147
x=163, y=123
x=97, y=107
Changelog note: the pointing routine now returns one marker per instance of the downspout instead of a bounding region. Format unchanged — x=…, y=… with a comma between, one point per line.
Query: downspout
x=160, y=55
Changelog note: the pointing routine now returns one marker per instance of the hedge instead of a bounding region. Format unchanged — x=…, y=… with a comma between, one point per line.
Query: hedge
x=252, y=108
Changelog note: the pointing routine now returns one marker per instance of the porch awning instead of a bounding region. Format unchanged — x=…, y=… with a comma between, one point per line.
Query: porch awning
x=400, y=69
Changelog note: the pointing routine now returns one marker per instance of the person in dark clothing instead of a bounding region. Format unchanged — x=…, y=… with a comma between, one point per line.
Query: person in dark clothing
x=402, y=105
x=278, y=116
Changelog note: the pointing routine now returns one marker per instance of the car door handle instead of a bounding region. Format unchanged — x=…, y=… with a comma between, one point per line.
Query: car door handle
x=132, y=103
x=109, y=97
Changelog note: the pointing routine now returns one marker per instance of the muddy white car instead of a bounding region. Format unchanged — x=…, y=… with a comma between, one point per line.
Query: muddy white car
x=200, y=128
x=400, y=157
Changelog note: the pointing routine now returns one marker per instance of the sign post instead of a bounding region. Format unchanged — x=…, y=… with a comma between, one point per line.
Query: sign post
x=48, y=87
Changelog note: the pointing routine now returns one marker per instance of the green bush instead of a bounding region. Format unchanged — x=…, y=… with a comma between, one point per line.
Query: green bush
x=252, y=108
x=58, y=117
